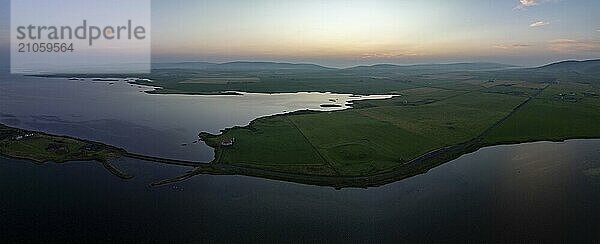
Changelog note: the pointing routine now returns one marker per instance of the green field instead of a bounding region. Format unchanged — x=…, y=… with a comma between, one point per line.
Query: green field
x=551, y=116
x=379, y=137
x=41, y=147
x=367, y=140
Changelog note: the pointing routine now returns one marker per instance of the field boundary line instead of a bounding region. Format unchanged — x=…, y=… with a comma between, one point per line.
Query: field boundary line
x=313, y=146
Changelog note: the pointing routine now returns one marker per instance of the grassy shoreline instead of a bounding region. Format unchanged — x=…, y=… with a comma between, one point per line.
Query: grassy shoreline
x=42, y=147
x=237, y=160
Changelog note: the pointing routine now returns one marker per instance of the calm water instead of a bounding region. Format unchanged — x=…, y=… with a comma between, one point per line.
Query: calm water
x=536, y=191
x=123, y=115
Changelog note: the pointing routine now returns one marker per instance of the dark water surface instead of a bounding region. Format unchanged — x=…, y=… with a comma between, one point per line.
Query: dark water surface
x=536, y=191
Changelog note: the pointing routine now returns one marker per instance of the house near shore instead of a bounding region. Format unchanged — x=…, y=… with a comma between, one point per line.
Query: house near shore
x=228, y=143
x=21, y=137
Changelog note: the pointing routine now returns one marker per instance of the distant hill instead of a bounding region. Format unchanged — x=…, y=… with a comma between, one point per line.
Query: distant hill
x=183, y=65
x=435, y=67
x=587, y=71
x=260, y=66
x=239, y=66
x=244, y=65
x=588, y=67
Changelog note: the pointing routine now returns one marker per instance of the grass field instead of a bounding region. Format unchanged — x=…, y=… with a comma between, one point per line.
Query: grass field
x=376, y=136
x=550, y=116
x=41, y=147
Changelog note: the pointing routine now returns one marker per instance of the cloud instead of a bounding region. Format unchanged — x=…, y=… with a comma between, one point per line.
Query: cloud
x=526, y=3
x=511, y=46
x=569, y=45
x=523, y=4
x=384, y=55
x=538, y=24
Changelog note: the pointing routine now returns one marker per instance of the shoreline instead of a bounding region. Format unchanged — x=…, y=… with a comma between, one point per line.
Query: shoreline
x=420, y=165
x=416, y=166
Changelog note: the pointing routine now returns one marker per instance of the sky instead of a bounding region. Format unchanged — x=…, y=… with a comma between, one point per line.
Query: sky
x=343, y=33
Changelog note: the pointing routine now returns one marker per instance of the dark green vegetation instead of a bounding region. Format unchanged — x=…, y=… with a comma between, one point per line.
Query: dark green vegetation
x=562, y=111
x=380, y=141
x=41, y=148
x=441, y=113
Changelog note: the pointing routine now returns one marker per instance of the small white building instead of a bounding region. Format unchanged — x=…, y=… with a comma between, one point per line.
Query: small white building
x=228, y=143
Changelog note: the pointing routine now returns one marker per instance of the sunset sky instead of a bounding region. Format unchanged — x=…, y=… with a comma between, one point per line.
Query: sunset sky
x=349, y=32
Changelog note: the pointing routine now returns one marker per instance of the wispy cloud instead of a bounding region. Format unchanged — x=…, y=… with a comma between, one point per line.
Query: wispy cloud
x=538, y=24
x=569, y=45
x=526, y=3
x=523, y=4
x=511, y=46
x=387, y=55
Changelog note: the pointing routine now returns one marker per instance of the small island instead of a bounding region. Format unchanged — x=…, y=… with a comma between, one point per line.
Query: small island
x=327, y=105
x=105, y=79
x=42, y=148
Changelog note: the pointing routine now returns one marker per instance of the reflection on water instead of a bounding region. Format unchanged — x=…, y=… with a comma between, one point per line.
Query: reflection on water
x=123, y=115
x=535, y=191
